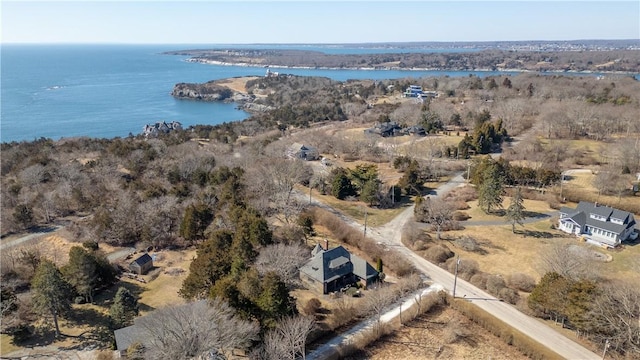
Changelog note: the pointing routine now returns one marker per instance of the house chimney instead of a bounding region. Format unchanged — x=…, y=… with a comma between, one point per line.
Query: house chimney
x=326, y=243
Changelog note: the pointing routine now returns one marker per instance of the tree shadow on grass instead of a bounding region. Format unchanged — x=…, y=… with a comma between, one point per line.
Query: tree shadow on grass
x=105, y=298
x=535, y=214
x=538, y=234
x=41, y=336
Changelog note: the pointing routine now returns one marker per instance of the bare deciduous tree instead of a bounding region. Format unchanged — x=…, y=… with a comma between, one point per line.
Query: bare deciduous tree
x=288, y=340
x=195, y=329
x=437, y=212
x=376, y=301
x=560, y=259
x=615, y=317
x=284, y=260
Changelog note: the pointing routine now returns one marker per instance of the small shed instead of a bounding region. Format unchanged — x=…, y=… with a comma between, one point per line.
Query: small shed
x=141, y=265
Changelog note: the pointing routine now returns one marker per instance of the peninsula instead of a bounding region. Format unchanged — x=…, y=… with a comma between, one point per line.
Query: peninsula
x=621, y=56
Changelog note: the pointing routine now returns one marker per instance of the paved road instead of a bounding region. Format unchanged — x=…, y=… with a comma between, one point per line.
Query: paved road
x=390, y=235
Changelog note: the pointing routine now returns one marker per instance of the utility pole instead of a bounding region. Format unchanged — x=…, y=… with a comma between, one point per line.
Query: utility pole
x=561, y=186
x=455, y=279
x=364, y=234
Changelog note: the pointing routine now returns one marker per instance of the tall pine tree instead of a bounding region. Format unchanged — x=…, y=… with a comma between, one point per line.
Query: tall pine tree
x=124, y=308
x=51, y=293
x=515, y=211
x=491, y=189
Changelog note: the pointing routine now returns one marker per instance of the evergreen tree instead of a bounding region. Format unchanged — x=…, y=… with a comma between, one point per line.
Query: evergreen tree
x=369, y=192
x=212, y=262
x=412, y=181
x=124, y=308
x=274, y=300
x=195, y=221
x=491, y=189
x=550, y=295
x=23, y=215
x=341, y=186
x=580, y=301
x=515, y=211
x=305, y=221
x=81, y=273
x=51, y=293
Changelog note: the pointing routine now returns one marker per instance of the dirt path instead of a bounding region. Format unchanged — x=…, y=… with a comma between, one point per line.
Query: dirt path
x=9, y=243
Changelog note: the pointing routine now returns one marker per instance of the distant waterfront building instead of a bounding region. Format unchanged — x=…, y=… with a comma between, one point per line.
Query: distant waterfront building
x=413, y=91
x=160, y=128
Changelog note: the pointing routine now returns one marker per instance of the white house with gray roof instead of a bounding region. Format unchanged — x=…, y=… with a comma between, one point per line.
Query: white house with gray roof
x=599, y=224
x=334, y=269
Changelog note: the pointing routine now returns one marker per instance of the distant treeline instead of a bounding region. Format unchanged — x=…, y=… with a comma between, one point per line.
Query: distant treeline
x=545, y=59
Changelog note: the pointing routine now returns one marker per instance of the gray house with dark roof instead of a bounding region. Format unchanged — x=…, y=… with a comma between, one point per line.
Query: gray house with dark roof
x=142, y=264
x=600, y=224
x=303, y=152
x=334, y=269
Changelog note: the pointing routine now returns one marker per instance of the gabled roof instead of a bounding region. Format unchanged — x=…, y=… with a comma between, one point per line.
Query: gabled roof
x=143, y=259
x=581, y=215
x=316, y=250
x=362, y=269
x=322, y=267
x=328, y=265
x=126, y=336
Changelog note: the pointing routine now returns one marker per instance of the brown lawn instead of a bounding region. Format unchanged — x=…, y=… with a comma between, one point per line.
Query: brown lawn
x=425, y=338
x=237, y=84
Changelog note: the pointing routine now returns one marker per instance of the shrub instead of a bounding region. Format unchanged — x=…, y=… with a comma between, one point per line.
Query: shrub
x=438, y=254
x=509, y=295
x=479, y=280
x=312, y=306
x=419, y=245
x=468, y=243
x=460, y=216
x=511, y=336
x=466, y=268
x=495, y=283
x=522, y=282
x=90, y=245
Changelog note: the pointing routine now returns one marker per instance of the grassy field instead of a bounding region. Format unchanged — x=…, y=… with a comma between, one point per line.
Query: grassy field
x=356, y=209
x=506, y=253
x=580, y=187
x=532, y=207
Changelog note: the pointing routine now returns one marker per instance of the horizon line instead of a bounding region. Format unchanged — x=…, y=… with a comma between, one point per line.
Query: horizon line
x=314, y=43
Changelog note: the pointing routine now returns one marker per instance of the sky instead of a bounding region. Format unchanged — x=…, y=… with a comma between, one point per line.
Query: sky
x=251, y=22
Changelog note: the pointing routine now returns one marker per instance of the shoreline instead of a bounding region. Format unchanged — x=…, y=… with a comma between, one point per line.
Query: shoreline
x=397, y=68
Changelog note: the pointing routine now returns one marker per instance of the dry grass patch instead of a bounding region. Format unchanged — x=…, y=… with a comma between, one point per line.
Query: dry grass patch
x=424, y=338
x=508, y=253
x=238, y=84
x=163, y=290
x=531, y=206
x=355, y=209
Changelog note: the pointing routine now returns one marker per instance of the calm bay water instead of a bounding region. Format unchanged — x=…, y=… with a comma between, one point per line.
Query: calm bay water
x=107, y=91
